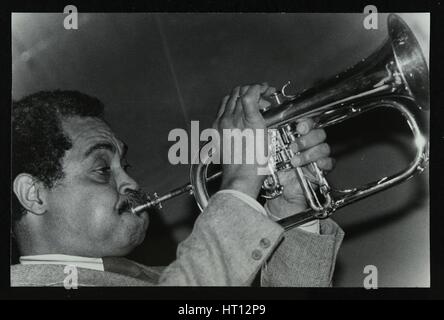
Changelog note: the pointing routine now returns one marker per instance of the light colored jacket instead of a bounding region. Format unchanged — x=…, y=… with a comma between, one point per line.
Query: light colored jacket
x=230, y=243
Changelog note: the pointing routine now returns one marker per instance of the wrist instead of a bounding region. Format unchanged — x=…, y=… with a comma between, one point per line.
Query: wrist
x=250, y=188
x=281, y=208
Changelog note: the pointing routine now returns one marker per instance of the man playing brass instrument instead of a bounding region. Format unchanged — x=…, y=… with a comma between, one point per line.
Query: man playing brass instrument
x=73, y=195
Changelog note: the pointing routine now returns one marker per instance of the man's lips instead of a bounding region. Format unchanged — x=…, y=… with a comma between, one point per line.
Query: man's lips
x=124, y=210
x=132, y=199
x=141, y=217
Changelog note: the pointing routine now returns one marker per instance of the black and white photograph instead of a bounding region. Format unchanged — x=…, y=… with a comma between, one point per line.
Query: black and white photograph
x=220, y=149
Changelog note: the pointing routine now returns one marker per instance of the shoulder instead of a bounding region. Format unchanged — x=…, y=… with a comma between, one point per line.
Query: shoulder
x=150, y=272
x=55, y=275
x=37, y=275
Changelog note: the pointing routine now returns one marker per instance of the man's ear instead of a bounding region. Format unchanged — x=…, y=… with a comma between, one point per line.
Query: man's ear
x=29, y=192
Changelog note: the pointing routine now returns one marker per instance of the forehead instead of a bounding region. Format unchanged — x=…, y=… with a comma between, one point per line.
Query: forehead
x=85, y=132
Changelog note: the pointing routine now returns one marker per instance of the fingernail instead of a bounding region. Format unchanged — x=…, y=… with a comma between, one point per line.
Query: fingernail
x=296, y=161
x=294, y=147
x=302, y=128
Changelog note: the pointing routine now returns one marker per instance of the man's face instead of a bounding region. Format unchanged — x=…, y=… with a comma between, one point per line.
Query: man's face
x=83, y=214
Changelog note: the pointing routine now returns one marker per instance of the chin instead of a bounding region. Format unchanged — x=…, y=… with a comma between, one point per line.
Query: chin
x=135, y=239
x=130, y=234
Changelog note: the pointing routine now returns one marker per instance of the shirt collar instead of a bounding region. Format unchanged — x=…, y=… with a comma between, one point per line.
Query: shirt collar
x=77, y=261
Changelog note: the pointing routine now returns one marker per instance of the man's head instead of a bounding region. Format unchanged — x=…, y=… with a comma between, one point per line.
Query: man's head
x=69, y=179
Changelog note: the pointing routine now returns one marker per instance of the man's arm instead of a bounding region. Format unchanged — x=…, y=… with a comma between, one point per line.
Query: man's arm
x=231, y=239
x=304, y=258
x=229, y=243
x=307, y=255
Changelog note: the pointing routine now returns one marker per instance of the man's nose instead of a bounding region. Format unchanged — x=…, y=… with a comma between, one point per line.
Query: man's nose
x=127, y=183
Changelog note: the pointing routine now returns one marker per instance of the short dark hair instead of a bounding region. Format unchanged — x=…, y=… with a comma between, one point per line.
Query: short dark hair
x=38, y=140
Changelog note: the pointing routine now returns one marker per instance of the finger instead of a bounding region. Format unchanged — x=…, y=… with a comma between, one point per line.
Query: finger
x=326, y=164
x=305, y=125
x=309, y=140
x=311, y=155
x=222, y=107
x=231, y=103
x=264, y=87
x=266, y=91
x=243, y=90
x=250, y=102
x=238, y=109
x=269, y=91
x=263, y=104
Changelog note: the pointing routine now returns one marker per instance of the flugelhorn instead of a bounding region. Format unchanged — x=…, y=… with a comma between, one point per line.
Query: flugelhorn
x=394, y=76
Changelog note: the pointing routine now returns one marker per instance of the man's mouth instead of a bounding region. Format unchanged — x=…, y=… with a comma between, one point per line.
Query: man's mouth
x=132, y=200
x=124, y=207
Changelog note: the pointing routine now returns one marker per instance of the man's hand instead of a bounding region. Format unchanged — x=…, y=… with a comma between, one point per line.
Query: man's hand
x=240, y=110
x=312, y=150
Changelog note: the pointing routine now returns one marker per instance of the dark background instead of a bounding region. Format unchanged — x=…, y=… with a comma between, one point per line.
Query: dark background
x=157, y=72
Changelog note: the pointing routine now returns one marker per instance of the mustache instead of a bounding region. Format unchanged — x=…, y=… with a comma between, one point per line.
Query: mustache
x=133, y=198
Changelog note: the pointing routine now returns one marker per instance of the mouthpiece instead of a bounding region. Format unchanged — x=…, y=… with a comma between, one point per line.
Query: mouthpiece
x=157, y=201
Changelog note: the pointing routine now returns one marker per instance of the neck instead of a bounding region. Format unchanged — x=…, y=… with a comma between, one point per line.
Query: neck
x=30, y=241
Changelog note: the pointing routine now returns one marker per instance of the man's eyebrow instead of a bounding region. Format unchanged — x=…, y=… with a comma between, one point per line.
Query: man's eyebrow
x=99, y=146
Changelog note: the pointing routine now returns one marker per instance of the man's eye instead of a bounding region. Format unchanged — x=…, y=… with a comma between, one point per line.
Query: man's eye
x=104, y=170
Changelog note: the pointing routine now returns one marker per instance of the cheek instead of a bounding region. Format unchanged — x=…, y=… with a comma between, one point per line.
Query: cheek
x=87, y=216
x=98, y=208
x=104, y=226
x=90, y=210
